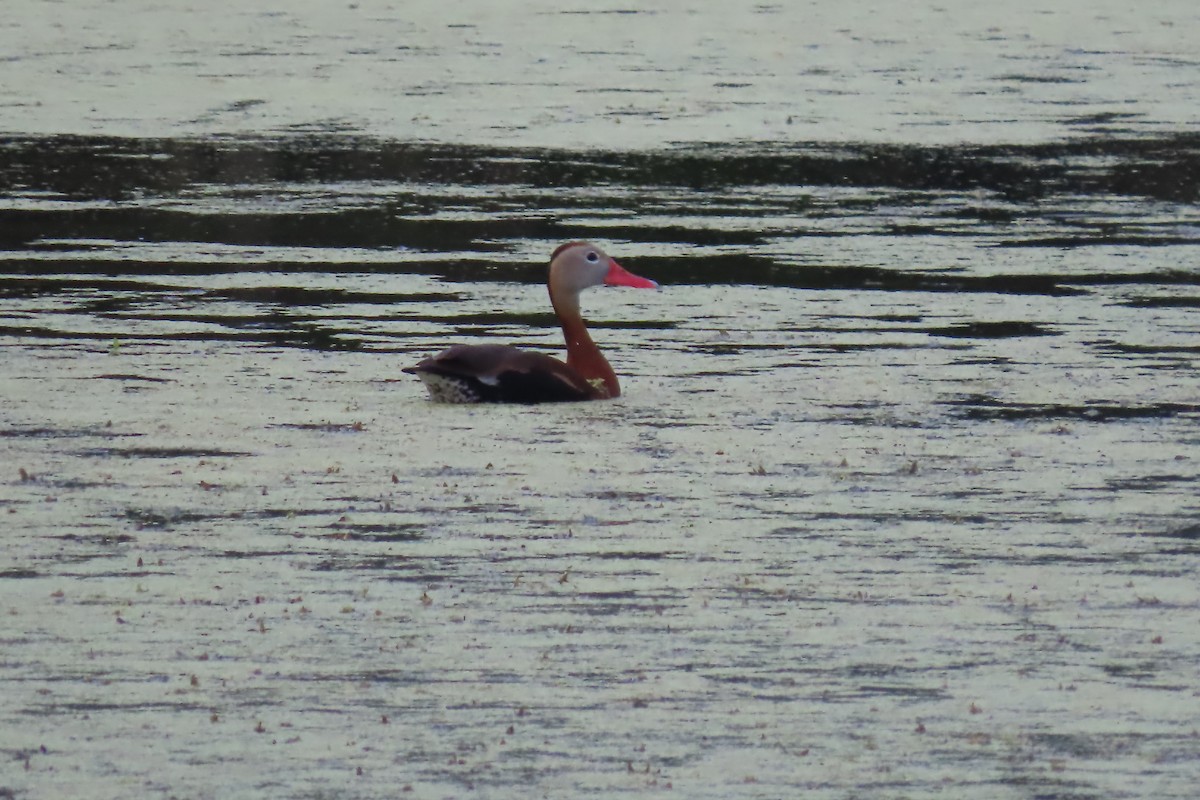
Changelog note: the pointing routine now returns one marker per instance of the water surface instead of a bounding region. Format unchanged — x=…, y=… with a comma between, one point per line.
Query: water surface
x=900, y=499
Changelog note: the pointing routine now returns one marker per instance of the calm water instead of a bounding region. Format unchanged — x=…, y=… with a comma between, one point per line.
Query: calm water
x=900, y=500
x=586, y=74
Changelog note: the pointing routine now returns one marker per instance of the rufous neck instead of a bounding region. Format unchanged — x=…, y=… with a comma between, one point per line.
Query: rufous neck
x=583, y=355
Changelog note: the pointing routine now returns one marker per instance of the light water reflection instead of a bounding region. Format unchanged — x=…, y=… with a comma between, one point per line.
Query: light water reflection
x=900, y=498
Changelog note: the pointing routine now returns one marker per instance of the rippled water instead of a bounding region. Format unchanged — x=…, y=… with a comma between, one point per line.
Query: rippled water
x=582, y=73
x=900, y=499
x=904, y=477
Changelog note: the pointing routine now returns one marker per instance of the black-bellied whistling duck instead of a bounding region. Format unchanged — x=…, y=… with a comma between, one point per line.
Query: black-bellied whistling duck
x=495, y=373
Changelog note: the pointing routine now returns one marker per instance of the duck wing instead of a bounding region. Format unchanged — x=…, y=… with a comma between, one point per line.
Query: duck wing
x=492, y=373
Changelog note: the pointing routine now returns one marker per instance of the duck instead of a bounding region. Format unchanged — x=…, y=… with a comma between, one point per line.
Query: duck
x=494, y=373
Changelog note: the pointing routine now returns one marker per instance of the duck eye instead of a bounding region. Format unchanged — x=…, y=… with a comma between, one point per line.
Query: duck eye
x=592, y=257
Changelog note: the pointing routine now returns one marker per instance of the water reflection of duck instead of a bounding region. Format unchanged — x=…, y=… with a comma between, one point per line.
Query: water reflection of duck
x=501, y=374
